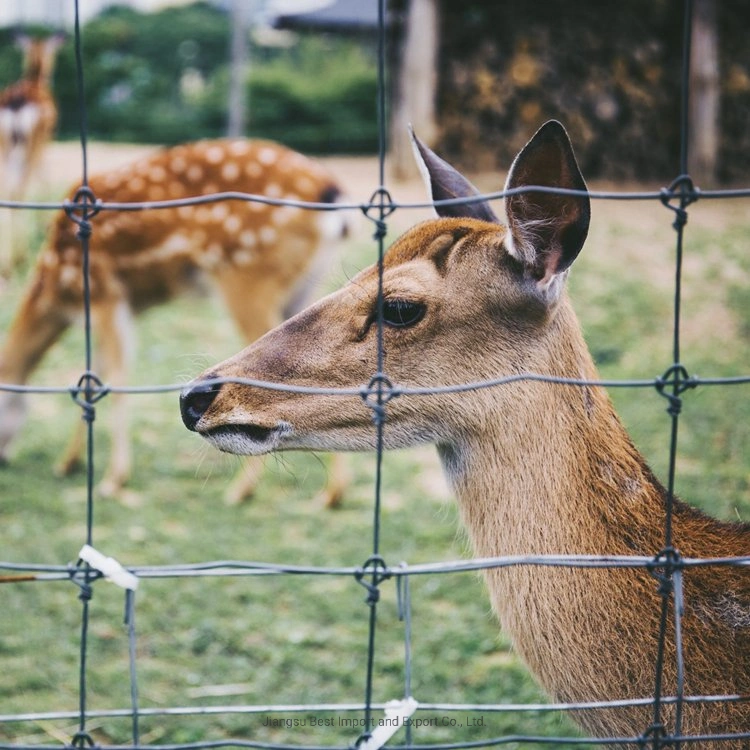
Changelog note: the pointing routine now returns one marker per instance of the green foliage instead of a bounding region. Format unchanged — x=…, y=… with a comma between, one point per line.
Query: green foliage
x=134, y=67
x=328, y=107
x=163, y=78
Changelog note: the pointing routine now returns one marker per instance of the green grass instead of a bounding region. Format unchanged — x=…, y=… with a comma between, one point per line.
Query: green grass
x=289, y=640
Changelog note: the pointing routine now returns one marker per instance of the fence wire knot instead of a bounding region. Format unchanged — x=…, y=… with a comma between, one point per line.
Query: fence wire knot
x=680, y=381
x=382, y=201
x=655, y=736
x=82, y=739
x=377, y=571
x=84, y=206
x=682, y=188
x=87, y=392
x=379, y=391
x=663, y=567
x=83, y=577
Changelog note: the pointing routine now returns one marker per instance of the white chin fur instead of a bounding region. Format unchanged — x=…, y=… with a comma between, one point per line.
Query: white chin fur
x=243, y=442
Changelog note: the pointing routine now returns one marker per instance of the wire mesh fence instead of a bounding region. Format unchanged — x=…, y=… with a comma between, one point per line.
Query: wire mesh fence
x=369, y=723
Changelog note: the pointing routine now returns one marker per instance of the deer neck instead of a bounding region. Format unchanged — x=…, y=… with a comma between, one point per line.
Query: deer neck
x=553, y=471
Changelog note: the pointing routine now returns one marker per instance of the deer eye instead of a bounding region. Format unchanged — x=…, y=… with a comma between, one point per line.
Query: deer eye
x=402, y=313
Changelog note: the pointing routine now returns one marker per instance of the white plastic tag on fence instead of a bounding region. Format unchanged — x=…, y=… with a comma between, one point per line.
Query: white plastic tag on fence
x=396, y=714
x=109, y=567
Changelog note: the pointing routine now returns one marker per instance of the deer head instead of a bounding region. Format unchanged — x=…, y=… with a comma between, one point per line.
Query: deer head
x=464, y=298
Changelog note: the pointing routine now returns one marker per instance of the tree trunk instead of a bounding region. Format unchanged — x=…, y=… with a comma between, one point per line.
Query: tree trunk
x=703, y=113
x=416, y=86
x=237, y=104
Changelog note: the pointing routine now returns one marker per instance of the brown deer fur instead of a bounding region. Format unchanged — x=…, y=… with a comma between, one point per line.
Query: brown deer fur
x=264, y=260
x=538, y=468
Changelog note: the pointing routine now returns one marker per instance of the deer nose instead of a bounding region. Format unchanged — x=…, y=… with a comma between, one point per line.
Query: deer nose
x=195, y=400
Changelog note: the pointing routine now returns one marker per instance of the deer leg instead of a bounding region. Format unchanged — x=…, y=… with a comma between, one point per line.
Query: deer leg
x=70, y=459
x=338, y=478
x=115, y=346
x=7, y=239
x=114, y=326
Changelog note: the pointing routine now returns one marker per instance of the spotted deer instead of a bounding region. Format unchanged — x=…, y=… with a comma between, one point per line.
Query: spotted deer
x=539, y=468
x=264, y=260
x=28, y=114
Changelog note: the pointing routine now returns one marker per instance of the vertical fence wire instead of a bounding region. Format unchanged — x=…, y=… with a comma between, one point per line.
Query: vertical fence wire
x=378, y=406
x=671, y=576
x=87, y=404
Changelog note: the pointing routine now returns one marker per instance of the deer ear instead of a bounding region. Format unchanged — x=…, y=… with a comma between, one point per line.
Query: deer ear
x=444, y=182
x=547, y=231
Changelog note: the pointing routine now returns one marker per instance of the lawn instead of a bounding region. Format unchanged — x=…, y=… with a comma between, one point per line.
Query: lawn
x=288, y=640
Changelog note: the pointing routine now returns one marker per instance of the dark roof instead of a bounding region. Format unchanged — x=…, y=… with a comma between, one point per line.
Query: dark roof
x=340, y=15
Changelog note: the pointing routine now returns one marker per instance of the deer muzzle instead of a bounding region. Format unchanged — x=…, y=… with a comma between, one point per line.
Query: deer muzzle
x=240, y=438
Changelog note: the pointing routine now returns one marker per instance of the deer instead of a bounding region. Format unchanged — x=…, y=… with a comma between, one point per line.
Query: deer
x=28, y=113
x=538, y=468
x=265, y=261
x=28, y=118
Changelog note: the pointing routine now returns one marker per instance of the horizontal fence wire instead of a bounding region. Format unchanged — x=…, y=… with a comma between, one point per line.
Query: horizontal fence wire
x=375, y=573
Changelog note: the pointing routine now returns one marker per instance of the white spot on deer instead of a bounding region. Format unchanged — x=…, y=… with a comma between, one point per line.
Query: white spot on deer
x=239, y=148
x=50, y=259
x=258, y=207
x=112, y=181
x=211, y=257
x=214, y=154
x=210, y=188
x=157, y=174
x=248, y=239
x=178, y=164
x=69, y=275
x=284, y=214
x=304, y=185
x=272, y=190
x=194, y=173
x=176, y=244
x=136, y=184
x=219, y=211
x=186, y=212
x=230, y=171
x=267, y=156
x=295, y=162
x=202, y=215
x=232, y=224
x=268, y=235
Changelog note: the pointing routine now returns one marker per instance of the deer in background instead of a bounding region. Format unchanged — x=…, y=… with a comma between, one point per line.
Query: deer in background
x=264, y=260
x=28, y=114
x=538, y=468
